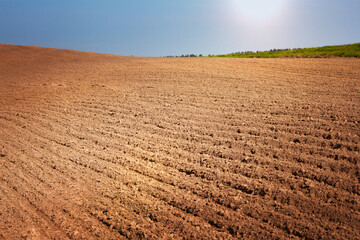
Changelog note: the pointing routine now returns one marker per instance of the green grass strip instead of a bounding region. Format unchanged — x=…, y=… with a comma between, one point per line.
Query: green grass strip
x=348, y=50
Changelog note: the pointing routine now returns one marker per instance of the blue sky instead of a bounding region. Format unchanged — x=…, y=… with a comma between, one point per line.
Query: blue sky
x=175, y=27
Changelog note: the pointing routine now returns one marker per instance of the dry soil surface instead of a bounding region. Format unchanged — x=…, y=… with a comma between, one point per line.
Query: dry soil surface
x=96, y=146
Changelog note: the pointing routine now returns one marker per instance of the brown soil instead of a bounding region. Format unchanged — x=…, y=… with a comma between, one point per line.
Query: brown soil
x=96, y=146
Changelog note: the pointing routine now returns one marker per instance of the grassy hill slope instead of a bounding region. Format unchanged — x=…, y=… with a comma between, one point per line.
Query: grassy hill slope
x=348, y=50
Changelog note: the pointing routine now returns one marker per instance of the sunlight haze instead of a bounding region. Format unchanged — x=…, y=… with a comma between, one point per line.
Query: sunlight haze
x=258, y=9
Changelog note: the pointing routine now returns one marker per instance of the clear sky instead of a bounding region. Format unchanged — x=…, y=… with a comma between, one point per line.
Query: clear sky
x=175, y=27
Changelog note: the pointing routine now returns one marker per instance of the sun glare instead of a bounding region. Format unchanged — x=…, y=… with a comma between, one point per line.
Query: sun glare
x=258, y=9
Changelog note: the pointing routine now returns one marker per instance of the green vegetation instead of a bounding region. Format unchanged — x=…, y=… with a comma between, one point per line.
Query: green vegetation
x=349, y=50
x=187, y=55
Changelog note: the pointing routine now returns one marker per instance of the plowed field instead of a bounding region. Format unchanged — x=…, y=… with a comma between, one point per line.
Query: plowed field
x=96, y=146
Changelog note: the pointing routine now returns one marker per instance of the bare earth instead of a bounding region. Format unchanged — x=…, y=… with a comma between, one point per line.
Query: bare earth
x=96, y=146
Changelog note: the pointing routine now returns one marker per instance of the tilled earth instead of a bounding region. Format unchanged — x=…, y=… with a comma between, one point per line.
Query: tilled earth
x=96, y=146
